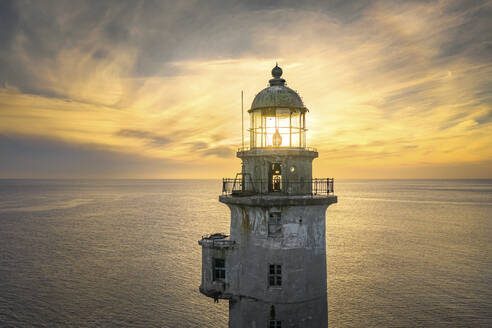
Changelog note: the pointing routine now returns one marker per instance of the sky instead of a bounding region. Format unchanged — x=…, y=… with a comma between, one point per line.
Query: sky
x=152, y=89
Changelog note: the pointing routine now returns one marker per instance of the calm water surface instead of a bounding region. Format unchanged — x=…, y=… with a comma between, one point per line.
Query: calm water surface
x=87, y=253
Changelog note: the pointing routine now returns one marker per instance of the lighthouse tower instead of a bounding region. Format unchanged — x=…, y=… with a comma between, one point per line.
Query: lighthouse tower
x=272, y=265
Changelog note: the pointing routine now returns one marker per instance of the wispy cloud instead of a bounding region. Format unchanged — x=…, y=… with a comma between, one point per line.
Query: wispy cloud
x=152, y=139
x=388, y=84
x=223, y=152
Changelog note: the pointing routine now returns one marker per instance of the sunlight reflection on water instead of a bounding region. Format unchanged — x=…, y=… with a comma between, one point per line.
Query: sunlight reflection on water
x=124, y=253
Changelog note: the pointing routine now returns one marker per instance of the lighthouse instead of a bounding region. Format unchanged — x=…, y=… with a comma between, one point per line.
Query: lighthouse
x=271, y=267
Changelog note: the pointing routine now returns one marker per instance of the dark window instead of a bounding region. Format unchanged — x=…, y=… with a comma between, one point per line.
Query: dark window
x=276, y=168
x=273, y=323
x=274, y=224
x=219, y=269
x=275, y=275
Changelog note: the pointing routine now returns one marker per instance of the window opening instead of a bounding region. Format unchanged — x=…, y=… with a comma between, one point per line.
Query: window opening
x=273, y=323
x=219, y=269
x=275, y=275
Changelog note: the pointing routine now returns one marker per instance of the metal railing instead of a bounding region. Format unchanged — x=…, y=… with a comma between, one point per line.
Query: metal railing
x=246, y=187
x=247, y=148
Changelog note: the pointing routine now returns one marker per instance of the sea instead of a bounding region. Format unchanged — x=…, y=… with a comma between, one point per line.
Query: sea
x=124, y=253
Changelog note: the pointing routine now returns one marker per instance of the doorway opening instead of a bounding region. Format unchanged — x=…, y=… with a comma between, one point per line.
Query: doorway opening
x=275, y=177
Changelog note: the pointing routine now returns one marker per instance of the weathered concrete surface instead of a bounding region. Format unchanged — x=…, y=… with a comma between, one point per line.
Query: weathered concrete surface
x=247, y=313
x=212, y=248
x=300, y=249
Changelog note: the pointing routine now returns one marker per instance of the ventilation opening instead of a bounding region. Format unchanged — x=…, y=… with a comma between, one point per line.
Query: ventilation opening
x=274, y=224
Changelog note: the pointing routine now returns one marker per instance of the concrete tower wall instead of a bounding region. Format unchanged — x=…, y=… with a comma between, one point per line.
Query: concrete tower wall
x=298, y=245
x=248, y=313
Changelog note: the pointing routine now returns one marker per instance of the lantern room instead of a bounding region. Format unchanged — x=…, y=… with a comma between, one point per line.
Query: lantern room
x=277, y=116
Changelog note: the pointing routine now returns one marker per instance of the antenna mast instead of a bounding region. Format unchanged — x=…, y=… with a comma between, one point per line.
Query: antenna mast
x=242, y=119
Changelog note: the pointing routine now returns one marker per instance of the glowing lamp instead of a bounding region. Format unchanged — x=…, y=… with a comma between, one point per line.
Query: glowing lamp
x=277, y=139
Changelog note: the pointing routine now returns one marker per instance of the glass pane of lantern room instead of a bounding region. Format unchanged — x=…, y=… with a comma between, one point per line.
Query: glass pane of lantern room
x=302, y=133
x=295, y=128
x=257, y=128
x=251, y=131
x=283, y=125
x=270, y=129
x=257, y=119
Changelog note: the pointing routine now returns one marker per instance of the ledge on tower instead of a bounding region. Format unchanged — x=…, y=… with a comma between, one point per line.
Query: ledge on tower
x=216, y=240
x=278, y=200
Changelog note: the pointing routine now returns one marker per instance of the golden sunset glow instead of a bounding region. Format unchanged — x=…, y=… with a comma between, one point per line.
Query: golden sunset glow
x=393, y=91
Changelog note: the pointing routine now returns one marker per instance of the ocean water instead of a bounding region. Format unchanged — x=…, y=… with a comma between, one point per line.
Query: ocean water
x=124, y=253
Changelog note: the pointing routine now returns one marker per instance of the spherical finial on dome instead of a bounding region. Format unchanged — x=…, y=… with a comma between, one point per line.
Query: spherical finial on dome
x=277, y=94
x=276, y=71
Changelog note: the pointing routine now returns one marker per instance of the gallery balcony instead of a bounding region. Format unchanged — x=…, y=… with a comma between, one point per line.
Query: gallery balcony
x=245, y=191
x=248, y=187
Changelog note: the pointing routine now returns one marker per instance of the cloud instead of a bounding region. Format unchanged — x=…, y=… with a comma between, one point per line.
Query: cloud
x=194, y=146
x=386, y=83
x=152, y=139
x=45, y=158
x=223, y=152
x=8, y=23
x=485, y=117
